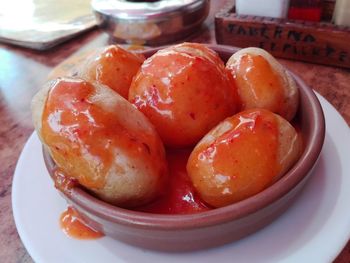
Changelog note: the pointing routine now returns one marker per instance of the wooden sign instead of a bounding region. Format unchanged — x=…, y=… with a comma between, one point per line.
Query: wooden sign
x=322, y=43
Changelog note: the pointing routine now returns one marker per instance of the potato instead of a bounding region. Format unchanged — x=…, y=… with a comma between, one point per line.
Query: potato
x=185, y=91
x=112, y=66
x=243, y=155
x=70, y=66
x=262, y=82
x=100, y=139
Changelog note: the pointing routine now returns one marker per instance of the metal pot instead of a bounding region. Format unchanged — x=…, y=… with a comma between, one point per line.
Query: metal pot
x=150, y=22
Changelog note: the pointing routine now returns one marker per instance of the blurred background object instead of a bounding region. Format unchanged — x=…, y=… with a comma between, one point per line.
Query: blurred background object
x=269, y=8
x=150, y=22
x=307, y=10
x=327, y=10
x=41, y=24
x=313, y=41
x=342, y=13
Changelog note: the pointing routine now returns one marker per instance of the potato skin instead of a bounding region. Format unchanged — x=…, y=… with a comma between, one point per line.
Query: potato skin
x=262, y=82
x=112, y=66
x=243, y=155
x=184, y=90
x=100, y=139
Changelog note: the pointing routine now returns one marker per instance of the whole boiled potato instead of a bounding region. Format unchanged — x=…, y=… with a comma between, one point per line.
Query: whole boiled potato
x=112, y=66
x=262, y=82
x=184, y=90
x=98, y=138
x=243, y=155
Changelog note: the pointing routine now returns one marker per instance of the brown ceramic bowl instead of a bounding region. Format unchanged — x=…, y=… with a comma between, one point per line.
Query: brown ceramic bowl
x=217, y=226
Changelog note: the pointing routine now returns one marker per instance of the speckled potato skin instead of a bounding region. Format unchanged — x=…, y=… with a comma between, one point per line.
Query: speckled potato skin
x=185, y=91
x=100, y=139
x=112, y=66
x=262, y=82
x=243, y=155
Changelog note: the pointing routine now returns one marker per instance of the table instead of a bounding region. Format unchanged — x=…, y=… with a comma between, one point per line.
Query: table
x=23, y=71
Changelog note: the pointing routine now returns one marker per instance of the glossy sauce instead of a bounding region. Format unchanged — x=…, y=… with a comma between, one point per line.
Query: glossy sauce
x=199, y=50
x=181, y=197
x=238, y=163
x=72, y=225
x=259, y=85
x=183, y=94
x=82, y=132
x=63, y=182
x=114, y=67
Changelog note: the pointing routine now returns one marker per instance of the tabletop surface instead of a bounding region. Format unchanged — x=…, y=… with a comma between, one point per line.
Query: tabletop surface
x=23, y=71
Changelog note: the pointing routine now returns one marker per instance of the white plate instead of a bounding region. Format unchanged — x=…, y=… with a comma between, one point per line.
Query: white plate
x=314, y=229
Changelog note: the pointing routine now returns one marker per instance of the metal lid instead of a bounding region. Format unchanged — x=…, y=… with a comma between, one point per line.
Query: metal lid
x=152, y=23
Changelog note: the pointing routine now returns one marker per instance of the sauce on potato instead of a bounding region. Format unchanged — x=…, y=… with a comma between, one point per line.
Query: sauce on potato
x=263, y=83
x=113, y=66
x=103, y=144
x=185, y=91
x=241, y=156
x=258, y=83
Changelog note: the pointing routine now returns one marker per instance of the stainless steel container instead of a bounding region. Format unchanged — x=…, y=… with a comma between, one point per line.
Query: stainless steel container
x=150, y=22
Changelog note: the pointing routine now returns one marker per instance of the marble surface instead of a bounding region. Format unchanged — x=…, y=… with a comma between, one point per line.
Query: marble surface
x=23, y=71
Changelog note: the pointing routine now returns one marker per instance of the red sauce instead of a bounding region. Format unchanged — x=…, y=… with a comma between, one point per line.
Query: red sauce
x=79, y=130
x=239, y=162
x=252, y=131
x=63, y=182
x=182, y=104
x=181, y=197
x=114, y=67
x=74, y=226
x=258, y=83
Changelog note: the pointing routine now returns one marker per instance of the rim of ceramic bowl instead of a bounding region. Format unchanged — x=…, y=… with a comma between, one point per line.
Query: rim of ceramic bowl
x=78, y=196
